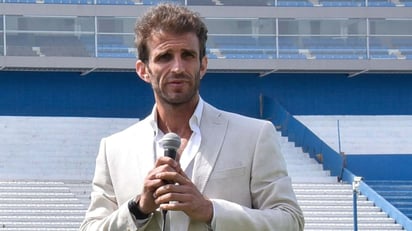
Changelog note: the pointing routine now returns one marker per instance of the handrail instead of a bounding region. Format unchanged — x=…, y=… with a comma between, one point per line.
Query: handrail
x=378, y=200
x=331, y=160
x=386, y=207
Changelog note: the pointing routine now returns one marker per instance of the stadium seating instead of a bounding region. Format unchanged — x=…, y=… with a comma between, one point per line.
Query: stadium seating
x=17, y=46
x=407, y=3
x=294, y=3
x=342, y=3
x=342, y=142
x=397, y=192
x=279, y=3
x=332, y=47
x=335, y=48
x=110, y=46
x=68, y=1
x=352, y=135
x=15, y=50
x=246, y=47
x=42, y=205
x=115, y=2
x=201, y=2
x=381, y=3
x=52, y=191
x=45, y=45
x=20, y=1
x=326, y=203
x=390, y=133
x=247, y=3
x=403, y=46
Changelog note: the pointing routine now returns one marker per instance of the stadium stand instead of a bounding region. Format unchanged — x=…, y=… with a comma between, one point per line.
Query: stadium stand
x=340, y=3
x=246, y=47
x=45, y=180
x=279, y=3
x=113, y=46
x=317, y=47
x=17, y=47
x=297, y=3
x=406, y=2
x=45, y=45
x=47, y=187
x=352, y=135
x=381, y=3
x=341, y=142
x=397, y=192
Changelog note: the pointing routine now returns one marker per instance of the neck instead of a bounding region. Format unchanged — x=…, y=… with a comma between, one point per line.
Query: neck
x=175, y=118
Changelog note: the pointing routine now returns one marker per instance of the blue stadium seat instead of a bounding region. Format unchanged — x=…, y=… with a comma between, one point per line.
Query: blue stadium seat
x=398, y=193
x=381, y=3
x=201, y=3
x=342, y=3
x=291, y=56
x=294, y=3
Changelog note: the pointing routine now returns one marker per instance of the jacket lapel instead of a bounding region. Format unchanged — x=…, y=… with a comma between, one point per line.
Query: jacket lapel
x=213, y=128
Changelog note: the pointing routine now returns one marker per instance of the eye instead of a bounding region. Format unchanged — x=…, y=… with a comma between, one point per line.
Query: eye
x=188, y=54
x=164, y=57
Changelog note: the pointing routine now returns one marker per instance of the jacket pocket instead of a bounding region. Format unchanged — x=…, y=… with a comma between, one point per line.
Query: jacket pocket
x=228, y=173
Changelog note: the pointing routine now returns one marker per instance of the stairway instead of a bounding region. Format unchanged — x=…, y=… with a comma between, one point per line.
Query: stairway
x=40, y=206
x=327, y=204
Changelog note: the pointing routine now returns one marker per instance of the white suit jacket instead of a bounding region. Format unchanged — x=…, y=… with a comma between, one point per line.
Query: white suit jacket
x=239, y=166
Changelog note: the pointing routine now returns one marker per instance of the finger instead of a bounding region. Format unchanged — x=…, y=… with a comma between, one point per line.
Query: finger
x=165, y=160
x=174, y=177
x=152, y=185
x=177, y=206
x=170, y=192
x=169, y=188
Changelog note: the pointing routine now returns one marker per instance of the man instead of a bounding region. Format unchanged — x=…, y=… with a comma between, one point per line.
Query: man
x=229, y=173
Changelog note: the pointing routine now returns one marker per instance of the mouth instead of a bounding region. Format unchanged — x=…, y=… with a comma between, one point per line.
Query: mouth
x=176, y=84
x=177, y=81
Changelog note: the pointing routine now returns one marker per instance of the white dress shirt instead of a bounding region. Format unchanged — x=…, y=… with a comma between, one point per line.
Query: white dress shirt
x=186, y=158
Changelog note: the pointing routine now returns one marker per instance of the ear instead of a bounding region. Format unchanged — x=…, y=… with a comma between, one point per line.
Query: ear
x=203, y=66
x=141, y=71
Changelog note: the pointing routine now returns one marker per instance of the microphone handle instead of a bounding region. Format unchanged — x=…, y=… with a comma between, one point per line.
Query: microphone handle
x=171, y=153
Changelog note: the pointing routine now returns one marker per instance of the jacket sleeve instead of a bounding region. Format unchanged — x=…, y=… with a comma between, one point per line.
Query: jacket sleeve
x=274, y=205
x=104, y=213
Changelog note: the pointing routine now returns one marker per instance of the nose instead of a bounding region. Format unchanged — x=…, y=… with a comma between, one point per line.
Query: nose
x=177, y=66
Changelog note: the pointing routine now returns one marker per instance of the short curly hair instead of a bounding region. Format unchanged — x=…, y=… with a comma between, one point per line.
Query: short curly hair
x=172, y=18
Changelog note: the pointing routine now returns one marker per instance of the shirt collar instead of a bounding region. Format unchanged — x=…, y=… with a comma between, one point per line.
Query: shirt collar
x=194, y=121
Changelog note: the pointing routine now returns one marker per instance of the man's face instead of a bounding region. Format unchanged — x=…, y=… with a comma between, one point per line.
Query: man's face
x=174, y=68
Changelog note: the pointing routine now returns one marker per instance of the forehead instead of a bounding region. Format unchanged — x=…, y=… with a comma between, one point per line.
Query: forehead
x=161, y=41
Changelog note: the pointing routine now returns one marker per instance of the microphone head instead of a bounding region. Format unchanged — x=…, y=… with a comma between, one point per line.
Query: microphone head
x=170, y=141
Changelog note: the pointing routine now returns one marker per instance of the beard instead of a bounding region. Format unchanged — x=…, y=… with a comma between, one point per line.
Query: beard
x=178, y=96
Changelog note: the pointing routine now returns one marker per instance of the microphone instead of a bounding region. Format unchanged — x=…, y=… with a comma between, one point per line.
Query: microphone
x=170, y=143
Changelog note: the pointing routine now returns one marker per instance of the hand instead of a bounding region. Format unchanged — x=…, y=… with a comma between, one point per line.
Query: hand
x=147, y=202
x=184, y=196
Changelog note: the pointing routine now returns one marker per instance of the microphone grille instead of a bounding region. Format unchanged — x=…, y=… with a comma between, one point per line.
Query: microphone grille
x=170, y=141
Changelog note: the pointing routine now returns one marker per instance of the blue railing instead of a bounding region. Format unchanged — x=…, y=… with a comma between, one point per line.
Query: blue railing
x=331, y=160
x=378, y=200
